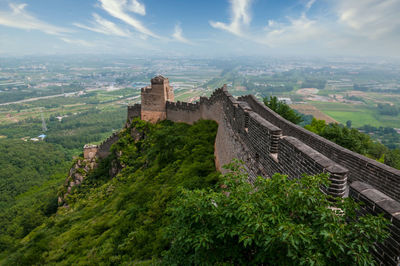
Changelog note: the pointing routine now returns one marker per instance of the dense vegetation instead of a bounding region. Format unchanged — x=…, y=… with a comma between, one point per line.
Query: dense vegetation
x=387, y=109
x=275, y=221
x=24, y=165
x=30, y=174
x=124, y=219
x=91, y=126
x=73, y=131
x=386, y=135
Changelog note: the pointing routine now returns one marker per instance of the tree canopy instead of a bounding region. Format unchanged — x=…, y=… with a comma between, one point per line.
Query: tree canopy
x=283, y=109
x=274, y=221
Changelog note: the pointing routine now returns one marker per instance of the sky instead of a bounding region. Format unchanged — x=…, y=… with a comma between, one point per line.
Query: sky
x=201, y=27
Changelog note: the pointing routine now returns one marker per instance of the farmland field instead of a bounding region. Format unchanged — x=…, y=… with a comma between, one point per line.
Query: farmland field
x=359, y=114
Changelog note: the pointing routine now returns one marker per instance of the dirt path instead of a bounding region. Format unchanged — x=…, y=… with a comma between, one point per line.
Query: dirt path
x=312, y=110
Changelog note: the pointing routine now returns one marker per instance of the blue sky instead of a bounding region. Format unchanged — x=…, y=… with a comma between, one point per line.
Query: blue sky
x=201, y=27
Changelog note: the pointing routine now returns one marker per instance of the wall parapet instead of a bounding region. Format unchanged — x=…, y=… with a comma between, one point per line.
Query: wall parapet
x=134, y=111
x=183, y=106
x=337, y=173
x=375, y=202
x=104, y=147
x=361, y=168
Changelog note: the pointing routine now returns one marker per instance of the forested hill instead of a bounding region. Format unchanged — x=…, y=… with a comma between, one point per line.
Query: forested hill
x=123, y=219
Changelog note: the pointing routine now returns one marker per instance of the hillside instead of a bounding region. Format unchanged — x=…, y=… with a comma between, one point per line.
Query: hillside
x=122, y=220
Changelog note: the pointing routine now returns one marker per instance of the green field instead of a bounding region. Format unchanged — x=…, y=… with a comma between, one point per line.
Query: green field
x=359, y=114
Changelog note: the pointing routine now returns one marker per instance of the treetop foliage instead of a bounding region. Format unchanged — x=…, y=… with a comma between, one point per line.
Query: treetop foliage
x=274, y=221
x=283, y=109
x=354, y=140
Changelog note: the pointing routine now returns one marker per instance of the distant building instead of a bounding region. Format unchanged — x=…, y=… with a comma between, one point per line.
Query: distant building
x=285, y=100
x=41, y=136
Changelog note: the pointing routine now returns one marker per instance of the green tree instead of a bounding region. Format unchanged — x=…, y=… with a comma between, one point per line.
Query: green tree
x=352, y=139
x=316, y=126
x=274, y=221
x=283, y=109
x=348, y=123
x=392, y=158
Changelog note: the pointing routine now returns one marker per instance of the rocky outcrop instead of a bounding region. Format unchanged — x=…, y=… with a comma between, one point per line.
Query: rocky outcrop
x=76, y=176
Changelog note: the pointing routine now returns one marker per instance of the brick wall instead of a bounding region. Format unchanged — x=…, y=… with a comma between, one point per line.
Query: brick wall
x=375, y=202
x=383, y=177
x=104, y=147
x=134, y=111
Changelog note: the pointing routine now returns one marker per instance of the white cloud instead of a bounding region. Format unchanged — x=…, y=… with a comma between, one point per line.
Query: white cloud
x=118, y=8
x=296, y=31
x=179, y=36
x=370, y=18
x=77, y=42
x=104, y=26
x=240, y=16
x=137, y=7
x=347, y=26
x=309, y=4
x=19, y=18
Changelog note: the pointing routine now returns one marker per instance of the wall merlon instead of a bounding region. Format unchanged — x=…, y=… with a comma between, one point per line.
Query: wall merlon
x=309, y=152
x=270, y=127
x=376, y=197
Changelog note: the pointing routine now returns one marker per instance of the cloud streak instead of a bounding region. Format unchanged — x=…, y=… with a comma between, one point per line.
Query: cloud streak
x=77, y=42
x=178, y=35
x=19, y=18
x=119, y=8
x=101, y=25
x=370, y=18
x=240, y=16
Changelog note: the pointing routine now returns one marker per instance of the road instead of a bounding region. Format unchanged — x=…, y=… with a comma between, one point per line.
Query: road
x=40, y=98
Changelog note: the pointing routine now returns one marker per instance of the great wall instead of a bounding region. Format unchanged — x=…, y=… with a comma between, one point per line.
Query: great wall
x=268, y=144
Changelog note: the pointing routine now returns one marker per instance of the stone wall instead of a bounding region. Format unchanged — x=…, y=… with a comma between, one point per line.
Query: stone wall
x=183, y=112
x=383, y=177
x=375, y=202
x=133, y=111
x=104, y=147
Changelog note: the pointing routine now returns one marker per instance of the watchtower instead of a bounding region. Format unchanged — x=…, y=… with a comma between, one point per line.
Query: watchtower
x=154, y=98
